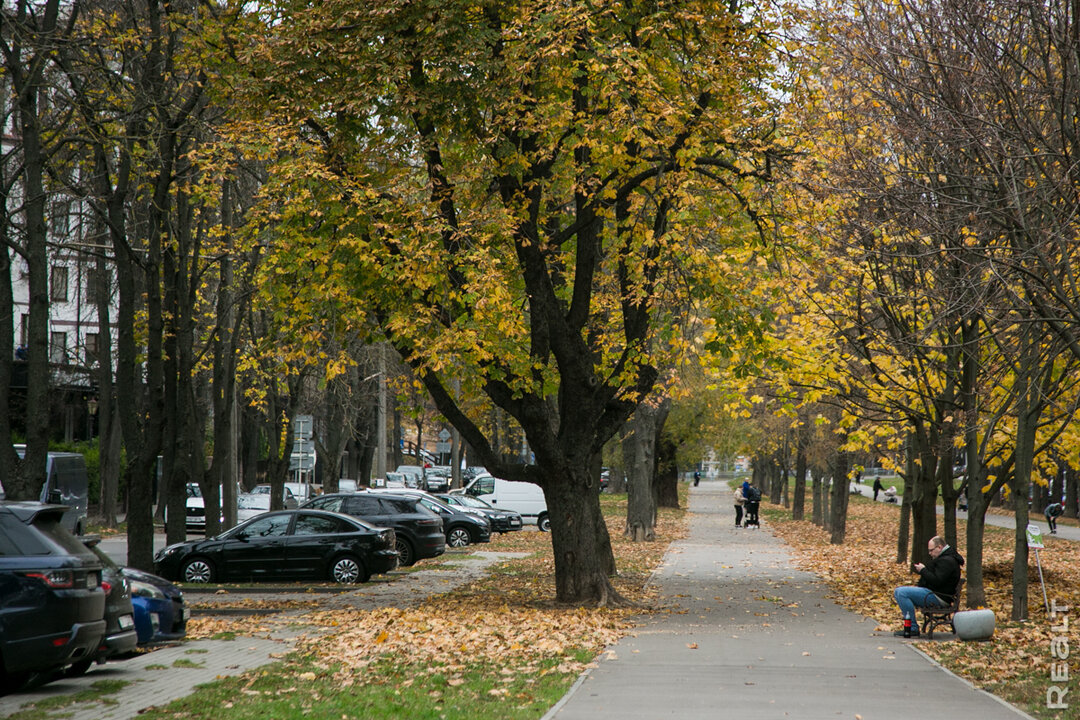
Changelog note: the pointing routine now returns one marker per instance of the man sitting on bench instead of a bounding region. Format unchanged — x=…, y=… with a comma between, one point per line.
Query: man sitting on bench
x=937, y=583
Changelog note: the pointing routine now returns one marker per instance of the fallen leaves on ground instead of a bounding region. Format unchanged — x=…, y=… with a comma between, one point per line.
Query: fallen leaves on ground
x=508, y=618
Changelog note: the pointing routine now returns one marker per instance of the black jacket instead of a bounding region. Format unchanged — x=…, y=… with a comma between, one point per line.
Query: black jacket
x=942, y=574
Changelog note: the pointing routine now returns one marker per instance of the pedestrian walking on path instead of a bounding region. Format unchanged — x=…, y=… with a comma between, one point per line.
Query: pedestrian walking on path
x=750, y=636
x=739, y=502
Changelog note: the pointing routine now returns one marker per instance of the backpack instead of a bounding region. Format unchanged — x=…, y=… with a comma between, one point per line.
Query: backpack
x=753, y=494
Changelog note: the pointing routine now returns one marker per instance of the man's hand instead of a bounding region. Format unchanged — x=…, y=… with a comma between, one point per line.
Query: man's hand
x=919, y=567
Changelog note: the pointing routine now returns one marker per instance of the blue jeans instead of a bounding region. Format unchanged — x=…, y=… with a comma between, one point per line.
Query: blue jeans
x=909, y=597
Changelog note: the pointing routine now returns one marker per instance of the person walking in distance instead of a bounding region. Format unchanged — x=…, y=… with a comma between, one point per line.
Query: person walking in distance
x=753, y=500
x=878, y=487
x=739, y=502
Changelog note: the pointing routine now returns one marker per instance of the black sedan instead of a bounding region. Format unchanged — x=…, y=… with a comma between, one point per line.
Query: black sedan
x=284, y=545
x=501, y=520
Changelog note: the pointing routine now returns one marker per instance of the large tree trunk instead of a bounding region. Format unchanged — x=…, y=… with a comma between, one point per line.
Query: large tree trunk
x=578, y=534
x=666, y=477
x=798, y=500
x=818, y=506
x=839, y=500
x=924, y=496
x=639, y=448
x=1027, y=415
x=34, y=41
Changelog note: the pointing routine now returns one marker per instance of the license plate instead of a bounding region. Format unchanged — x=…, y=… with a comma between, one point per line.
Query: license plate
x=127, y=622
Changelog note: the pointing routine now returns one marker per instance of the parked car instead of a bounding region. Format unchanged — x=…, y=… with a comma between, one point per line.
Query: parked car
x=120, y=635
x=52, y=605
x=462, y=526
x=66, y=483
x=522, y=497
x=347, y=485
x=501, y=520
x=418, y=531
x=437, y=479
x=290, y=501
x=393, y=480
x=160, y=612
x=248, y=506
x=413, y=475
x=301, y=491
x=284, y=545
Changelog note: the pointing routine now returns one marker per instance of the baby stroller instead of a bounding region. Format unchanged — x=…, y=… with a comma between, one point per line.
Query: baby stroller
x=890, y=495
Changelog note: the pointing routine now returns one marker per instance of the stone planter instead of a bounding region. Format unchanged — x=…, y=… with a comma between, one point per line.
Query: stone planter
x=974, y=624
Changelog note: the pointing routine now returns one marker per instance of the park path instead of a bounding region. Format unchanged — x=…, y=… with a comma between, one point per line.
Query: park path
x=750, y=636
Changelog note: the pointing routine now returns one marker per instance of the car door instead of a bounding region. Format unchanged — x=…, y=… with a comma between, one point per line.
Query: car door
x=315, y=538
x=257, y=550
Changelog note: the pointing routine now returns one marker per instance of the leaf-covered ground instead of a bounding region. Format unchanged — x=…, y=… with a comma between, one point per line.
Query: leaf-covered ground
x=1016, y=664
x=508, y=619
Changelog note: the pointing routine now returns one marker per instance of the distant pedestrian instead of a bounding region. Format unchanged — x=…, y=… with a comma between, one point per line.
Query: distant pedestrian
x=1052, y=512
x=753, y=501
x=697, y=478
x=20, y=352
x=739, y=502
x=878, y=487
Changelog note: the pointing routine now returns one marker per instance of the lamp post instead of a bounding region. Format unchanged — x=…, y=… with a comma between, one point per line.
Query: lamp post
x=91, y=411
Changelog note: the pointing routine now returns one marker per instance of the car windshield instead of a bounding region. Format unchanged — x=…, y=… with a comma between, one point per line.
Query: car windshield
x=194, y=491
x=253, y=502
x=472, y=501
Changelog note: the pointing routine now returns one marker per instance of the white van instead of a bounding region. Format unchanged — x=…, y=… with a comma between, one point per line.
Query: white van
x=521, y=497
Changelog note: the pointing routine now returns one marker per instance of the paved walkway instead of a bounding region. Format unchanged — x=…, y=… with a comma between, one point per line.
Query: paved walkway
x=755, y=638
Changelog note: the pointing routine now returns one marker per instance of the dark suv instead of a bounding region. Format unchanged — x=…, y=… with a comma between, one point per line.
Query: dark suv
x=52, y=605
x=419, y=531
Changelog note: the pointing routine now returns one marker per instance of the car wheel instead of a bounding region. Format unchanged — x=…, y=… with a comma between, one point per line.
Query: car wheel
x=347, y=570
x=406, y=556
x=79, y=669
x=544, y=523
x=458, y=537
x=197, y=570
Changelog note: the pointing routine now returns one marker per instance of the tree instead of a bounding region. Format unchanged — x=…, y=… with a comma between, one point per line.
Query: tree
x=515, y=192
x=30, y=34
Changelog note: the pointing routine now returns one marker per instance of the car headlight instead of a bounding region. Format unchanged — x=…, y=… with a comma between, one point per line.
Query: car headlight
x=146, y=590
x=166, y=552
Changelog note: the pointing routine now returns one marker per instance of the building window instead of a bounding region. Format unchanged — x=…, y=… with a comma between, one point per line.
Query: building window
x=58, y=348
x=92, y=348
x=58, y=288
x=95, y=284
x=60, y=221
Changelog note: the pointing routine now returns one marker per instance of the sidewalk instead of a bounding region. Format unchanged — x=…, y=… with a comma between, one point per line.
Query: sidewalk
x=754, y=638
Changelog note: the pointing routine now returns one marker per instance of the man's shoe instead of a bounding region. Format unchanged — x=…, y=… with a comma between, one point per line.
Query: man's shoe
x=900, y=633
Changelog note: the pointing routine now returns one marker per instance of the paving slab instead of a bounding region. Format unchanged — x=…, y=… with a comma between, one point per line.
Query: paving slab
x=749, y=636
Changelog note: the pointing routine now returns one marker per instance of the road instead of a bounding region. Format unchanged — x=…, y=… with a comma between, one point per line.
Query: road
x=1065, y=532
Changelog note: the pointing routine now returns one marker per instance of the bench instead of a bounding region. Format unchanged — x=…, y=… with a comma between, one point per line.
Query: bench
x=934, y=617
